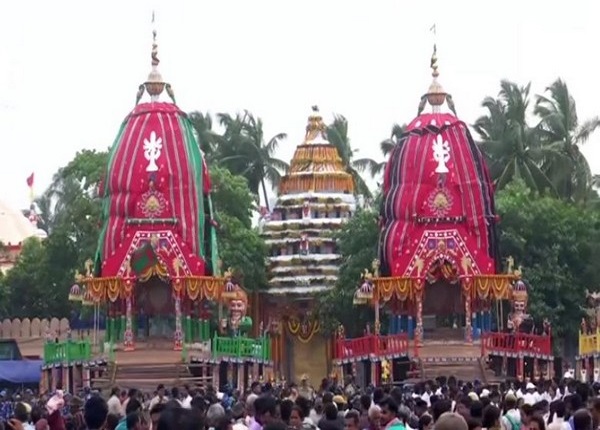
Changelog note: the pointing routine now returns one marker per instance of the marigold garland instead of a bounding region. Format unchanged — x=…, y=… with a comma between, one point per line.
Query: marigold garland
x=113, y=288
x=304, y=331
x=343, y=183
x=478, y=286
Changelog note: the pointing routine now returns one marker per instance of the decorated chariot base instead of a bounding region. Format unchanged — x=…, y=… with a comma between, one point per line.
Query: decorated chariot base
x=156, y=275
x=438, y=257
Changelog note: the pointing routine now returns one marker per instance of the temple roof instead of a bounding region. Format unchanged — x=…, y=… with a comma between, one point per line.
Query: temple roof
x=15, y=227
x=316, y=165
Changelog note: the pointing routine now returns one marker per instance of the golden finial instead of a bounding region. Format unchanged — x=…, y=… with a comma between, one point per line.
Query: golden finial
x=436, y=96
x=155, y=84
x=434, y=62
x=316, y=130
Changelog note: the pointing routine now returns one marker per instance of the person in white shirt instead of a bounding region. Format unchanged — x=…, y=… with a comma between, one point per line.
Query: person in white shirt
x=114, y=403
x=511, y=420
x=531, y=396
x=186, y=402
x=557, y=416
x=238, y=413
x=159, y=397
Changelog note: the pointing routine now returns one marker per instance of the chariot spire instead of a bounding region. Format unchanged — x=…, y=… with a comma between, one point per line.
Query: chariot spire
x=436, y=96
x=155, y=83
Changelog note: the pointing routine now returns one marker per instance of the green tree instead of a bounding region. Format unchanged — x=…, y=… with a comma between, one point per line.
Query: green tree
x=244, y=151
x=375, y=168
x=561, y=130
x=511, y=145
x=208, y=139
x=337, y=134
x=70, y=208
x=39, y=283
x=240, y=245
x=357, y=241
x=557, y=245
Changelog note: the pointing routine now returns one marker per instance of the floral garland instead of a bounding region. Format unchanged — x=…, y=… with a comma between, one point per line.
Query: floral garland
x=315, y=241
x=300, y=201
x=345, y=207
x=295, y=233
x=307, y=259
x=304, y=330
x=306, y=270
x=295, y=225
x=312, y=281
x=317, y=154
x=331, y=182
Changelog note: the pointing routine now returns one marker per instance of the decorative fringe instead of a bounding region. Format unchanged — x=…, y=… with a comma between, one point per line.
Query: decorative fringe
x=303, y=330
x=293, y=226
x=478, y=286
x=330, y=183
x=310, y=166
x=113, y=288
x=317, y=154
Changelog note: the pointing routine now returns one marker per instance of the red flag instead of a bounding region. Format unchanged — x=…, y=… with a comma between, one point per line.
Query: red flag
x=30, y=180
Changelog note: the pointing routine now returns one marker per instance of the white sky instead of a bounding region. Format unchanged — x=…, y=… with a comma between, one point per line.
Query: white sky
x=69, y=70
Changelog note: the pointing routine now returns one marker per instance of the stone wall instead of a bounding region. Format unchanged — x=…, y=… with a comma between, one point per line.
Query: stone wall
x=34, y=328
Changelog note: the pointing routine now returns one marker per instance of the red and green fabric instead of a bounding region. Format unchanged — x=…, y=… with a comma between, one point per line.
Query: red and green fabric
x=143, y=259
x=414, y=215
x=182, y=178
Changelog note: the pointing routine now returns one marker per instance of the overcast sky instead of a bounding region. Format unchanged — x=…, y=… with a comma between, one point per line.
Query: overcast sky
x=69, y=70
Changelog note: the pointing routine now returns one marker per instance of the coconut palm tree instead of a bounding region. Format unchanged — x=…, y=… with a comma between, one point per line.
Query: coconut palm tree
x=244, y=151
x=337, y=134
x=561, y=131
x=374, y=167
x=512, y=147
x=208, y=139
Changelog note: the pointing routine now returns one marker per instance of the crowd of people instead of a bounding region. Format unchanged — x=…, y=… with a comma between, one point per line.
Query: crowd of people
x=444, y=404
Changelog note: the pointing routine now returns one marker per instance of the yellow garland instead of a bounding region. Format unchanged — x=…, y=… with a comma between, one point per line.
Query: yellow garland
x=317, y=183
x=113, y=288
x=310, y=166
x=318, y=153
x=158, y=270
x=294, y=326
x=497, y=287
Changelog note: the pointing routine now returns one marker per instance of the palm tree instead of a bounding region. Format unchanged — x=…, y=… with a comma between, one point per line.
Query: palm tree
x=337, y=134
x=244, y=152
x=561, y=131
x=207, y=138
x=512, y=147
x=374, y=167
